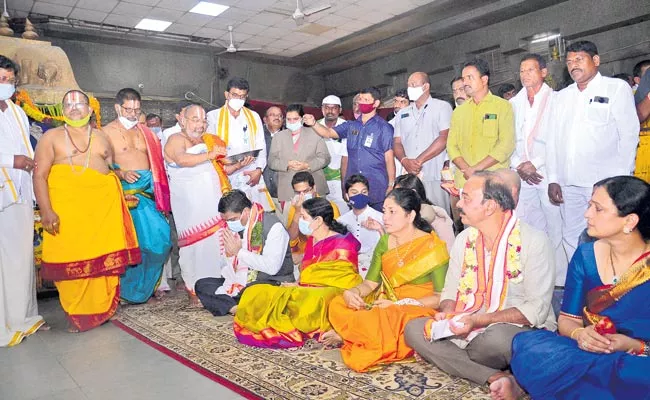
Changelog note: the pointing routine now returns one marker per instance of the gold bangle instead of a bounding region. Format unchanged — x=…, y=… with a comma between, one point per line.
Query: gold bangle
x=574, y=331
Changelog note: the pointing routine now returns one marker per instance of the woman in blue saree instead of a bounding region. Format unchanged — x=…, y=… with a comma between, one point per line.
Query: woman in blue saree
x=604, y=327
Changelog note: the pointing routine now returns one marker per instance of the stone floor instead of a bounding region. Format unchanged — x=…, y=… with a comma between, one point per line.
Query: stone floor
x=104, y=363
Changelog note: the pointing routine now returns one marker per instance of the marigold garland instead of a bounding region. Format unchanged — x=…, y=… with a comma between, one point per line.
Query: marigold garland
x=34, y=112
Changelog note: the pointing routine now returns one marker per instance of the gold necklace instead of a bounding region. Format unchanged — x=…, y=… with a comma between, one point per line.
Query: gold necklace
x=400, y=259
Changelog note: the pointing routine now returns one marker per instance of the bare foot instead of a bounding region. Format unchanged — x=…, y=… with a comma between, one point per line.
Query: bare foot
x=331, y=339
x=195, y=302
x=45, y=327
x=505, y=388
x=233, y=310
x=180, y=286
x=159, y=294
x=72, y=329
x=153, y=300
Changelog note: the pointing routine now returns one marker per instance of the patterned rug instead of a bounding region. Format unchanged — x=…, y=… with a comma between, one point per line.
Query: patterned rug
x=208, y=345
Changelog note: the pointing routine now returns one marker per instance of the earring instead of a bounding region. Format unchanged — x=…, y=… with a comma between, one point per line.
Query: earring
x=627, y=230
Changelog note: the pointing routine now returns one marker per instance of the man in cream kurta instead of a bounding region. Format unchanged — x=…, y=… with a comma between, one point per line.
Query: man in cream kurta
x=595, y=135
x=335, y=171
x=18, y=308
x=532, y=109
x=480, y=348
x=242, y=130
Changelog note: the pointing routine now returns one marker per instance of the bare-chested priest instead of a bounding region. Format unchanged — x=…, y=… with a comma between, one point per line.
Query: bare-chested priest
x=197, y=181
x=89, y=238
x=138, y=156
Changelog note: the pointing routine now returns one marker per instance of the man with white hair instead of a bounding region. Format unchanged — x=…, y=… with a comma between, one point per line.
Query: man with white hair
x=338, y=151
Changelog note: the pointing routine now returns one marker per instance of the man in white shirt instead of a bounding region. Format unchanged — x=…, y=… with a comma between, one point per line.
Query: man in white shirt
x=420, y=137
x=242, y=130
x=257, y=247
x=338, y=149
x=363, y=221
x=595, y=133
x=18, y=309
x=532, y=109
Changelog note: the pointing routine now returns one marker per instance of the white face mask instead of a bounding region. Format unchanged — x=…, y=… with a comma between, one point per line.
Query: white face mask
x=6, y=91
x=294, y=126
x=236, y=104
x=415, y=92
x=127, y=123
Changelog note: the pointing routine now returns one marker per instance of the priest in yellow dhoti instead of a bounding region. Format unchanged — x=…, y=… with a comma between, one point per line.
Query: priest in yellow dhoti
x=406, y=275
x=89, y=237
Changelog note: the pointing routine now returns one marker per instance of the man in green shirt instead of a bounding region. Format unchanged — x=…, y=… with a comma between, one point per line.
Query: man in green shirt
x=482, y=132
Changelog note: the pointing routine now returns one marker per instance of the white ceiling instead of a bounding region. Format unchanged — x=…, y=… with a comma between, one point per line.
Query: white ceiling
x=257, y=23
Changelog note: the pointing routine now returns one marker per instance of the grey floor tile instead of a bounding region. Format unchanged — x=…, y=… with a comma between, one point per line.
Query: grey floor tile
x=68, y=394
x=40, y=378
x=29, y=350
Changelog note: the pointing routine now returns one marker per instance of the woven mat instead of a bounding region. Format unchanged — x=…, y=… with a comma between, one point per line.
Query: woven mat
x=208, y=345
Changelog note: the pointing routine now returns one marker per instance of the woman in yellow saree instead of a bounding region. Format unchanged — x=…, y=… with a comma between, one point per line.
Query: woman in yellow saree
x=406, y=274
x=285, y=316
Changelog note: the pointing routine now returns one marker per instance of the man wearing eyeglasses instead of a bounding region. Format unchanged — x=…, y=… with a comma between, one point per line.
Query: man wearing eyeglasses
x=88, y=239
x=241, y=129
x=18, y=310
x=138, y=155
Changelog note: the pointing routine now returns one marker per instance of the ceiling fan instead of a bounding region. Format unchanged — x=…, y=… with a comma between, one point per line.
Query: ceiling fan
x=231, y=47
x=302, y=12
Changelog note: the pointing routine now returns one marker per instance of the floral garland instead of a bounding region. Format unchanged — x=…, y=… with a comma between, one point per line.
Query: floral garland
x=469, y=275
x=35, y=113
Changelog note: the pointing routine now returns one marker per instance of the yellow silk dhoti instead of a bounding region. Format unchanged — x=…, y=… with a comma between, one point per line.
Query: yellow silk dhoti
x=95, y=243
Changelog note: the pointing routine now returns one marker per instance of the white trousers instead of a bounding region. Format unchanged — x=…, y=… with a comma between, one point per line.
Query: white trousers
x=437, y=195
x=576, y=202
x=535, y=209
x=18, y=308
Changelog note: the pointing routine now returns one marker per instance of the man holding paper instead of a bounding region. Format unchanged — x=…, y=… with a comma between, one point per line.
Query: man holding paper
x=241, y=129
x=499, y=283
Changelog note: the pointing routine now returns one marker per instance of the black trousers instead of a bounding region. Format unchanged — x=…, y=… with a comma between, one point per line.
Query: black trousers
x=217, y=304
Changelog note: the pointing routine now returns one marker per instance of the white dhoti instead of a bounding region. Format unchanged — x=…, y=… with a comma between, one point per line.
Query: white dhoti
x=536, y=210
x=437, y=195
x=576, y=202
x=18, y=308
x=195, y=194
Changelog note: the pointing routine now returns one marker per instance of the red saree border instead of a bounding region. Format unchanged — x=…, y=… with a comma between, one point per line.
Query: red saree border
x=269, y=337
x=114, y=263
x=199, y=235
x=188, y=363
x=90, y=321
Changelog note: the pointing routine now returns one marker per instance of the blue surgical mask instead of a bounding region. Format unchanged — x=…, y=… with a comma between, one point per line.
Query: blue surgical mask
x=359, y=201
x=6, y=91
x=294, y=126
x=156, y=130
x=304, y=228
x=236, y=225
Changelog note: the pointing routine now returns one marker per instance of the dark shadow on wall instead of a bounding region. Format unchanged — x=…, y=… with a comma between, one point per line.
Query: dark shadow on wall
x=298, y=88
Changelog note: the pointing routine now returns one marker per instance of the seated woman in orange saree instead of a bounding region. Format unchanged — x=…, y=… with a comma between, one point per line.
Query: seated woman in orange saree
x=285, y=316
x=407, y=270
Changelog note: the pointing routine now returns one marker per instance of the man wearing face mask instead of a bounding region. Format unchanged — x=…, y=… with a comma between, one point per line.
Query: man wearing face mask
x=138, y=156
x=241, y=129
x=370, y=145
x=421, y=137
x=331, y=108
x=18, y=309
x=154, y=123
x=304, y=189
x=89, y=239
x=363, y=221
x=257, y=247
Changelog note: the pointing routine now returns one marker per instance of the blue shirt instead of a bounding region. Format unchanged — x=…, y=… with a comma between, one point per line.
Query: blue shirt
x=367, y=144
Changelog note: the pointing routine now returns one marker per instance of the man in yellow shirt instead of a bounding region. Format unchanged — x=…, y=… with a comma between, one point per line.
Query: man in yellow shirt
x=482, y=132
